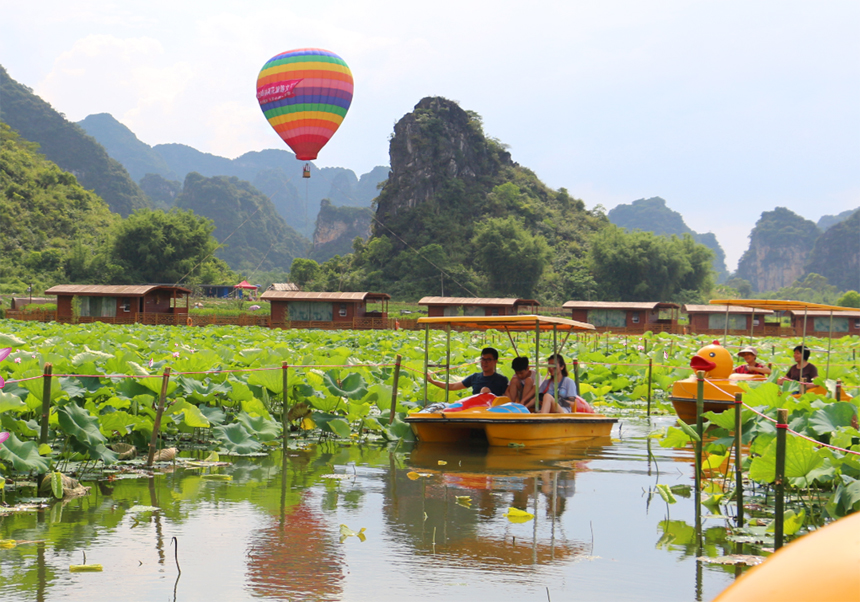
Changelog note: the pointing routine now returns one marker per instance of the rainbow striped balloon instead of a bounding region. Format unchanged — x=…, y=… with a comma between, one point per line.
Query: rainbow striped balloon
x=305, y=95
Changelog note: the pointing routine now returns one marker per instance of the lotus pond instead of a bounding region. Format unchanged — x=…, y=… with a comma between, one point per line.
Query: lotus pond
x=337, y=521
x=353, y=509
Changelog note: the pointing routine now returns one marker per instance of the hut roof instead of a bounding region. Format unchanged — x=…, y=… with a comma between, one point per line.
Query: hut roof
x=635, y=305
x=284, y=286
x=310, y=296
x=477, y=301
x=110, y=290
x=721, y=309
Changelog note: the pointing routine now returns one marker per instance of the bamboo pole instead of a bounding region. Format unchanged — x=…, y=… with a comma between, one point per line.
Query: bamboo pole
x=650, y=361
x=285, y=419
x=427, y=358
x=448, y=363
x=394, y=389
x=46, y=413
x=739, y=473
x=576, y=374
x=165, y=378
x=700, y=395
x=779, y=479
x=46, y=402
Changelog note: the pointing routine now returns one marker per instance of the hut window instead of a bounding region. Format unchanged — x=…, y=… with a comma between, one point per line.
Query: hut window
x=635, y=317
x=856, y=322
x=342, y=312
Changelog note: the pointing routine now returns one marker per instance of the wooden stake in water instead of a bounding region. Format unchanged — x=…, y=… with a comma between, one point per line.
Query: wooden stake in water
x=285, y=413
x=779, y=480
x=46, y=402
x=649, y=385
x=739, y=473
x=394, y=389
x=165, y=378
x=700, y=403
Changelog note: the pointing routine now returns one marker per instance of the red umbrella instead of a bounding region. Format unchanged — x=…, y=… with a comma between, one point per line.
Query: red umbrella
x=245, y=284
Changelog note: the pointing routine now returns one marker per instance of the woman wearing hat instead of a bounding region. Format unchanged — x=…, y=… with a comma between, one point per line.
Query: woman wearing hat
x=748, y=354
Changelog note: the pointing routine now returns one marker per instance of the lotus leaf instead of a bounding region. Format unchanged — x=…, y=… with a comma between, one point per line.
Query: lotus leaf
x=235, y=438
x=832, y=417
x=262, y=428
x=666, y=493
x=192, y=416
x=24, y=455
x=11, y=403
x=352, y=387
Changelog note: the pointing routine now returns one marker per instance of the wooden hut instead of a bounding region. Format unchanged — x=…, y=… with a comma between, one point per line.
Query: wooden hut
x=476, y=306
x=711, y=319
x=626, y=316
x=284, y=286
x=301, y=309
x=818, y=322
x=146, y=303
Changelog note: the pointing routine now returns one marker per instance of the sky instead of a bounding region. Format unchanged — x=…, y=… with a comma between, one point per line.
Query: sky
x=723, y=108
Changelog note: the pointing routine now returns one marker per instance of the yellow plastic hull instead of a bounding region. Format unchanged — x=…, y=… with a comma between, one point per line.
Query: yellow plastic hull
x=528, y=430
x=718, y=394
x=823, y=566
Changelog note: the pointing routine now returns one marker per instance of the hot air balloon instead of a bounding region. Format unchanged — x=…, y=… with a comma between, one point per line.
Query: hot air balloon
x=305, y=95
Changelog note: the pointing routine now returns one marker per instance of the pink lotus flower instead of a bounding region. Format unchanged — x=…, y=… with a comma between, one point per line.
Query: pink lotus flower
x=151, y=362
x=17, y=360
x=3, y=436
x=176, y=354
x=4, y=353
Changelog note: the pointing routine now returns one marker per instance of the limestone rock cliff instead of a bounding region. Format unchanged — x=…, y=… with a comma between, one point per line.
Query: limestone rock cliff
x=336, y=228
x=435, y=144
x=836, y=254
x=779, y=247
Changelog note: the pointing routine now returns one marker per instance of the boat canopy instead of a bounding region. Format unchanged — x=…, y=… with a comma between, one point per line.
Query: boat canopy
x=528, y=323
x=780, y=305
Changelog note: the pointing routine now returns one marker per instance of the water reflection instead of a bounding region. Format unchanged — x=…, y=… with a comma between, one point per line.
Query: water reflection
x=273, y=531
x=456, y=506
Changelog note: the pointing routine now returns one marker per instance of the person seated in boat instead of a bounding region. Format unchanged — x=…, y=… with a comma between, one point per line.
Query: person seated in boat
x=802, y=371
x=485, y=381
x=566, y=388
x=750, y=365
x=522, y=386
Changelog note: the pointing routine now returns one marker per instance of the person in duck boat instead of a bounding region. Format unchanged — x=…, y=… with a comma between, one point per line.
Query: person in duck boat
x=567, y=393
x=522, y=386
x=485, y=381
x=802, y=370
x=751, y=366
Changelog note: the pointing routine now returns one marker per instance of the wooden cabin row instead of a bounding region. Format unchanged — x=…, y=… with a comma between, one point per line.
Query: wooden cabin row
x=167, y=304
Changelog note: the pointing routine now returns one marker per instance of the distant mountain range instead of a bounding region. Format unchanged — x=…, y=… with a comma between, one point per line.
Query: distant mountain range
x=276, y=173
x=68, y=146
x=652, y=215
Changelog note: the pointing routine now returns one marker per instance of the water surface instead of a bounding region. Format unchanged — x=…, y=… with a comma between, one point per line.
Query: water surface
x=434, y=529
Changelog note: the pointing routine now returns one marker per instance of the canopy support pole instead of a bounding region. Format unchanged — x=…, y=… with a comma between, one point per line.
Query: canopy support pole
x=512, y=341
x=829, y=343
x=726, y=330
x=426, y=358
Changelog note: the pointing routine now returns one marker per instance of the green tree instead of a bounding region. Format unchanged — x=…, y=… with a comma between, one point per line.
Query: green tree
x=512, y=258
x=157, y=246
x=641, y=266
x=303, y=271
x=849, y=299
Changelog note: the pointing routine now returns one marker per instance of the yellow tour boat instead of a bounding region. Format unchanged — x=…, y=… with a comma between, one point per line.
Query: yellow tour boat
x=496, y=420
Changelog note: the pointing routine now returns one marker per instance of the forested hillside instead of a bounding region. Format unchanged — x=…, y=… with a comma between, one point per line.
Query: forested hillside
x=48, y=221
x=458, y=217
x=253, y=235
x=652, y=215
x=68, y=146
